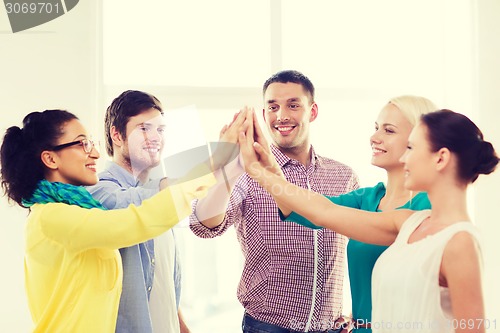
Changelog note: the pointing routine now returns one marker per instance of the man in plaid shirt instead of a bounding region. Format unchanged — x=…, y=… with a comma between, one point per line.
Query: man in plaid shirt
x=292, y=276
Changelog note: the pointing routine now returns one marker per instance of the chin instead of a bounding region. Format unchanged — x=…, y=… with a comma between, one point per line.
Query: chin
x=154, y=163
x=286, y=144
x=409, y=185
x=143, y=164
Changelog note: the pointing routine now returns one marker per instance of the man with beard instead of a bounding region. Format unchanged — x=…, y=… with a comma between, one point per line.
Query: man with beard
x=134, y=127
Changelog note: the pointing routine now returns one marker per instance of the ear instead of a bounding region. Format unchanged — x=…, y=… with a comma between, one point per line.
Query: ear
x=443, y=158
x=314, y=112
x=116, y=136
x=49, y=159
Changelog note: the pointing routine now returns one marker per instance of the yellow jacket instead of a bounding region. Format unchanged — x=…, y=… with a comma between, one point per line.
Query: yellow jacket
x=73, y=270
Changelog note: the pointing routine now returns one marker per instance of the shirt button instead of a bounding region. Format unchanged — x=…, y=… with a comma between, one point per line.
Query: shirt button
x=153, y=261
x=149, y=288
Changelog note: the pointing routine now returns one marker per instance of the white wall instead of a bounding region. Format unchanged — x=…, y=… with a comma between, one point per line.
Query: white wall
x=487, y=199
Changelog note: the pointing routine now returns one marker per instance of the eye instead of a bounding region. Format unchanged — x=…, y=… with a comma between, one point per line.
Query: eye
x=389, y=131
x=294, y=106
x=409, y=147
x=272, y=108
x=143, y=128
x=161, y=130
x=88, y=145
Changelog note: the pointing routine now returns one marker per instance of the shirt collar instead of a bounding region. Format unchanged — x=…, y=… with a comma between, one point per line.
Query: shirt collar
x=282, y=159
x=122, y=175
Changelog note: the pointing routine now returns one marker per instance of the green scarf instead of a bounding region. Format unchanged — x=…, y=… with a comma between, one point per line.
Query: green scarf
x=47, y=192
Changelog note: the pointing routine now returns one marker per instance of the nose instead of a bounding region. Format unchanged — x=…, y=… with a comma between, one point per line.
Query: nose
x=375, y=138
x=94, y=153
x=155, y=136
x=282, y=115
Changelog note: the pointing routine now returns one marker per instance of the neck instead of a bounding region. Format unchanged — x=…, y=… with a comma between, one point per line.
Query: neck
x=300, y=153
x=55, y=177
x=141, y=175
x=396, y=184
x=396, y=195
x=449, y=203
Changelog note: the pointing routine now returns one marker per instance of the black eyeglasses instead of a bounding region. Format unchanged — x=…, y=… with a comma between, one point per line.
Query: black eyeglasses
x=86, y=144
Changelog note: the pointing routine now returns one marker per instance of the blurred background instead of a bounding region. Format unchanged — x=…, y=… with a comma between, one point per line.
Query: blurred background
x=206, y=59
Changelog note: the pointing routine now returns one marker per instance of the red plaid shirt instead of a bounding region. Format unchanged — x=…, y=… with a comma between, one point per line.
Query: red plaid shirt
x=292, y=276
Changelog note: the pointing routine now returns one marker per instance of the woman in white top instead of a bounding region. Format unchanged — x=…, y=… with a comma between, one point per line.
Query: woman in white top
x=429, y=280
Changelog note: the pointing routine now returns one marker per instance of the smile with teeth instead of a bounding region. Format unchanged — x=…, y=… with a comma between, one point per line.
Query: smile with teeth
x=378, y=150
x=91, y=167
x=284, y=128
x=152, y=150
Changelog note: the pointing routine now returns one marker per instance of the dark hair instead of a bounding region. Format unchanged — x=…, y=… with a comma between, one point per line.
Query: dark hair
x=129, y=104
x=461, y=136
x=22, y=167
x=293, y=77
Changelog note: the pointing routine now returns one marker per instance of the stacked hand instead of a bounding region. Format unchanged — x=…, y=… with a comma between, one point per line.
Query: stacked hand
x=227, y=148
x=229, y=133
x=257, y=157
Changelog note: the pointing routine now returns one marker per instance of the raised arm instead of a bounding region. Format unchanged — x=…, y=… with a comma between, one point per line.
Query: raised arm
x=368, y=227
x=210, y=210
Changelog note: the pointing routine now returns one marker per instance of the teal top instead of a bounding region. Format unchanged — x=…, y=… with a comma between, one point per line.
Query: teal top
x=362, y=256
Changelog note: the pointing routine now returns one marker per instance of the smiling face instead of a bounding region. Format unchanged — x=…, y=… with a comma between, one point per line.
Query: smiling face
x=141, y=149
x=287, y=113
x=71, y=165
x=419, y=161
x=390, y=139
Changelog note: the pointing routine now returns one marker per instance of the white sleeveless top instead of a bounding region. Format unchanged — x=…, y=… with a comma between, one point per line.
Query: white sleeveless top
x=406, y=296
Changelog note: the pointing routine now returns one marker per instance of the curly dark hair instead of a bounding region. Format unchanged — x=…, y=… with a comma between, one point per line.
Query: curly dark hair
x=21, y=165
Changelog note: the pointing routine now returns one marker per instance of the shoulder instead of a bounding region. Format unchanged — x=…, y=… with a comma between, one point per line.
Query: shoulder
x=371, y=192
x=331, y=163
x=463, y=240
x=111, y=171
x=380, y=187
x=332, y=169
x=113, y=174
x=407, y=219
x=462, y=254
x=330, y=166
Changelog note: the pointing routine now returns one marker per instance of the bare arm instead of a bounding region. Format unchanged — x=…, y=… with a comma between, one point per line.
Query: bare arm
x=210, y=210
x=461, y=269
x=369, y=227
